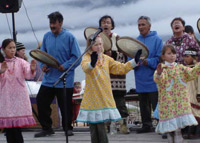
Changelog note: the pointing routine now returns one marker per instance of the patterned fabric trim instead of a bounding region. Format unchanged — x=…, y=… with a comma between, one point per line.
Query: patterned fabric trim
x=114, y=41
x=98, y=115
x=179, y=122
x=118, y=84
x=169, y=88
x=17, y=122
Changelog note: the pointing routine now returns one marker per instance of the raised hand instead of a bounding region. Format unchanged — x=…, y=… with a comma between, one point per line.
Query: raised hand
x=159, y=69
x=137, y=55
x=145, y=62
x=61, y=68
x=33, y=65
x=3, y=67
x=45, y=69
x=94, y=57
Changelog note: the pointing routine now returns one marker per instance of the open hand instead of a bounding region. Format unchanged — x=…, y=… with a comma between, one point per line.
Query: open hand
x=33, y=65
x=144, y=62
x=3, y=67
x=159, y=69
x=45, y=69
x=61, y=68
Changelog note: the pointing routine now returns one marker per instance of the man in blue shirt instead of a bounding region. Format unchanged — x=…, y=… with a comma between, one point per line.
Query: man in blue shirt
x=63, y=46
x=145, y=85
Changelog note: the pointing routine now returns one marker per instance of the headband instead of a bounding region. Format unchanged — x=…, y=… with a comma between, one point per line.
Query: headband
x=192, y=53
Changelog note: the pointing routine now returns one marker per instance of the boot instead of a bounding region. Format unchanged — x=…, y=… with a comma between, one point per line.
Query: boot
x=178, y=136
x=113, y=128
x=170, y=137
x=123, y=126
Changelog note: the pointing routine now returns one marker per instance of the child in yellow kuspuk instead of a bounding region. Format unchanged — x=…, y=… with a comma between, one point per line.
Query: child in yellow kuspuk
x=98, y=105
x=174, y=104
x=190, y=59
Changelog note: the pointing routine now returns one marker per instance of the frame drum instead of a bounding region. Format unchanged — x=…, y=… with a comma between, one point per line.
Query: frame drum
x=44, y=58
x=130, y=46
x=107, y=43
x=198, y=25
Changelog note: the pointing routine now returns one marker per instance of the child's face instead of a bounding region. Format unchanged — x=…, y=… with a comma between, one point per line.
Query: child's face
x=21, y=53
x=169, y=56
x=98, y=45
x=188, y=59
x=10, y=50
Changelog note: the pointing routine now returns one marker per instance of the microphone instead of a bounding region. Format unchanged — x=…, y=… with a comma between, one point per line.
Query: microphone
x=94, y=36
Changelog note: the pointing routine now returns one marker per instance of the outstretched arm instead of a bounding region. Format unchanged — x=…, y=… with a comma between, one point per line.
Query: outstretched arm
x=3, y=67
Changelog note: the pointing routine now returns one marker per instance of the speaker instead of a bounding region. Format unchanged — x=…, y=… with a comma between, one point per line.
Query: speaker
x=10, y=6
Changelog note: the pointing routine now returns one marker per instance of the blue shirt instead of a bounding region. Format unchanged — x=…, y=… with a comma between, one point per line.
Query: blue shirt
x=144, y=74
x=65, y=49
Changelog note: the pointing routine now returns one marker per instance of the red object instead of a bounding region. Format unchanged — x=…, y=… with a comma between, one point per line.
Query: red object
x=76, y=105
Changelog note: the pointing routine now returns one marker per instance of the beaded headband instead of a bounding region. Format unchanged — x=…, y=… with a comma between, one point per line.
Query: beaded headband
x=192, y=53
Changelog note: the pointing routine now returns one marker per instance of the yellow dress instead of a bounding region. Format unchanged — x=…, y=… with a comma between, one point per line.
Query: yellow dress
x=98, y=104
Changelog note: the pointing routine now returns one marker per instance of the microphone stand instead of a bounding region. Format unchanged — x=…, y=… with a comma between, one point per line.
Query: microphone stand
x=63, y=78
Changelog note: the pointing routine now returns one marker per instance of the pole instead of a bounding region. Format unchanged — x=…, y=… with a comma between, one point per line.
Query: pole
x=13, y=23
x=63, y=78
x=65, y=73
x=65, y=110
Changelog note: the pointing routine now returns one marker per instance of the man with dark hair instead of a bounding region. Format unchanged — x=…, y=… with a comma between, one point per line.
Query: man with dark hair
x=145, y=85
x=118, y=82
x=63, y=46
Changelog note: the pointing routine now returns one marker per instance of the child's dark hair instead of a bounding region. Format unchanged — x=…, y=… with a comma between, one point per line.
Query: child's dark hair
x=194, y=56
x=3, y=46
x=1, y=57
x=164, y=49
x=168, y=46
x=105, y=17
x=53, y=17
x=189, y=29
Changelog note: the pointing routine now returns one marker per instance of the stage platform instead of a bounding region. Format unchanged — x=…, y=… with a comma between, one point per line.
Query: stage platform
x=82, y=135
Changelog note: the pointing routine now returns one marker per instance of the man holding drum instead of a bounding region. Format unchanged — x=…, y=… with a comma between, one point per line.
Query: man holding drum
x=118, y=82
x=145, y=86
x=63, y=46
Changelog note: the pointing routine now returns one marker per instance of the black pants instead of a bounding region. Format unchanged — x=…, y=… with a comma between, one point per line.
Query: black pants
x=147, y=102
x=14, y=135
x=98, y=133
x=121, y=103
x=44, y=99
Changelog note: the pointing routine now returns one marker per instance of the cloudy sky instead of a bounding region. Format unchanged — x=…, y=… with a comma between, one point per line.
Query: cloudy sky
x=79, y=14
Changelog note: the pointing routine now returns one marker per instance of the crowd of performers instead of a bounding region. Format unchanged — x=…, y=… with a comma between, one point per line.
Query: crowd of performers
x=166, y=81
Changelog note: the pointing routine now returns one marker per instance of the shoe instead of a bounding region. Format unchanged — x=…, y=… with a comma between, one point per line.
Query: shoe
x=164, y=136
x=44, y=133
x=70, y=133
x=144, y=130
x=124, y=129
